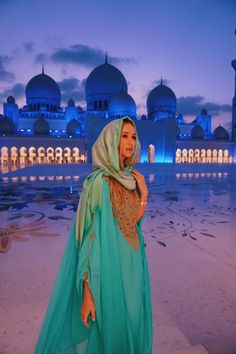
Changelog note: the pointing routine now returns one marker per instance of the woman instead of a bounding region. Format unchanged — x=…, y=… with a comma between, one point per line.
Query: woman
x=101, y=299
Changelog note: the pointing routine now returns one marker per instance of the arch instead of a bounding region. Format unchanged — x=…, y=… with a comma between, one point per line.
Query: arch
x=32, y=154
x=209, y=156
x=67, y=158
x=58, y=150
x=32, y=150
x=151, y=153
x=184, y=158
x=50, y=150
x=50, y=154
x=41, y=154
x=197, y=157
x=4, y=155
x=190, y=155
x=214, y=156
x=75, y=154
x=138, y=154
x=178, y=156
x=226, y=152
x=220, y=156
x=203, y=155
x=226, y=156
x=23, y=155
x=58, y=155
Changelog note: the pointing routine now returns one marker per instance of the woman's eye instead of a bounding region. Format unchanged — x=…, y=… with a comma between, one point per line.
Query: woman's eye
x=134, y=137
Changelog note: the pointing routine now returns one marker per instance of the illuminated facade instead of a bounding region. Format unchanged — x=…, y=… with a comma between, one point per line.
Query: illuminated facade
x=42, y=131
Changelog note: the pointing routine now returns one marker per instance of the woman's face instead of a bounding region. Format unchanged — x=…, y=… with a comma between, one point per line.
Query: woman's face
x=127, y=142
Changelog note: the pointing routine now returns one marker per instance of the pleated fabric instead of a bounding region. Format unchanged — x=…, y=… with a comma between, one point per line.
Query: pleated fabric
x=119, y=280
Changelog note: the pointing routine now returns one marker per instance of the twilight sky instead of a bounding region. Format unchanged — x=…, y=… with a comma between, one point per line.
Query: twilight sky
x=190, y=43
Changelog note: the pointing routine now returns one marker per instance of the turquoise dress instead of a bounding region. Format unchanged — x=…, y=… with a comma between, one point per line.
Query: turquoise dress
x=119, y=281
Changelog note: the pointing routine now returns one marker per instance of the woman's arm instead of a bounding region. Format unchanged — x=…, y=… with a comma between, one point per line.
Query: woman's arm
x=88, y=305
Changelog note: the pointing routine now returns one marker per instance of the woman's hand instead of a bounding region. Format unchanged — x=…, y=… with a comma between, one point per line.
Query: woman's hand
x=141, y=185
x=87, y=305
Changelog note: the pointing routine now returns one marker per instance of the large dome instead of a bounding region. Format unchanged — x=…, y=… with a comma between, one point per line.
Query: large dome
x=221, y=133
x=121, y=105
x=161, y=99
x=42, y=89
x=105, y=79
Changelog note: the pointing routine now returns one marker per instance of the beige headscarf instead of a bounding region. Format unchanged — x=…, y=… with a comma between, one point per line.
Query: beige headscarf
x=105, y=157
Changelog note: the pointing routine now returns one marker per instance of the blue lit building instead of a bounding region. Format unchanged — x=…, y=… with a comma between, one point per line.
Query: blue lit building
x=164, y=137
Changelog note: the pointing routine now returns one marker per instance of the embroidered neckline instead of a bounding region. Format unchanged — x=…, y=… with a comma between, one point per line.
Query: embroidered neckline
x=125, y=205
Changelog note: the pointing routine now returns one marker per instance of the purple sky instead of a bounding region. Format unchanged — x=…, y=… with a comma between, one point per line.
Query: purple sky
x=189, y=42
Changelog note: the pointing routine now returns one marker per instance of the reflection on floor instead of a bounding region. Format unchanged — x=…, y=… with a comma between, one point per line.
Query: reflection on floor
x=190, y=243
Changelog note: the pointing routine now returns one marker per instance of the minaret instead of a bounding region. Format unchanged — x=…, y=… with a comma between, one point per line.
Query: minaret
x=233, y=63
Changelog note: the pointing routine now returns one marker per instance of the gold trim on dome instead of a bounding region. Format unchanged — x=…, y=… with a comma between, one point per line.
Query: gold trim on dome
x=125, y=204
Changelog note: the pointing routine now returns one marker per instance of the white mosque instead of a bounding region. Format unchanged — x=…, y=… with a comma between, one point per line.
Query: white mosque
x=42, y=131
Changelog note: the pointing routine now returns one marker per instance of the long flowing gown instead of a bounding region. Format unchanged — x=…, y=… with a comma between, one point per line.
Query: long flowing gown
x=119, y=281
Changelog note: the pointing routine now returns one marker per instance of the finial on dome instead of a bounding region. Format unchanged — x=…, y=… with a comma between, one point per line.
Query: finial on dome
x=106, y=58
x=43, y=69
x=161, y=81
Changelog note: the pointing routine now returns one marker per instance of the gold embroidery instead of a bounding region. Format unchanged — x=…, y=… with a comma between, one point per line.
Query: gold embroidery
x=125, y=204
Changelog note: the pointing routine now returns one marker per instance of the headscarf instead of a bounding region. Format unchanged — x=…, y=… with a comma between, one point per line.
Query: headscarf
x=105, y=160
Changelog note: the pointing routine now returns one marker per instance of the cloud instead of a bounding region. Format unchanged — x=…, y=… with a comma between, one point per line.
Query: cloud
x=18, y=91
x=192, y=105
x=72, y=88
x=42, y=58
x=80, y=54
x=28, y=46
x=4, y=74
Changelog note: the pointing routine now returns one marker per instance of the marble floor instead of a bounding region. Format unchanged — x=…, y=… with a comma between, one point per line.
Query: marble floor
x=190, y=238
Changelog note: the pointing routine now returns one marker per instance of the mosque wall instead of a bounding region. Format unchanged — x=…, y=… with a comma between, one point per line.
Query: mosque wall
x=160, y=134
x=107, y=98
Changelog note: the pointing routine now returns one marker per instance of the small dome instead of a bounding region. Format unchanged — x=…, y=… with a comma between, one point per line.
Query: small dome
x=161, y=99
x=177, y=130
x=143, y=117
x=11, y=99
x=42, y=89
x=105, y=79
x=197, y=132
x=41, y=126
x=80, y=109
x=71, y=103
x=73, y=127
x=180, y=119
x=204, y=112
x=122, y=104
x=221, y=133
x=7, y=126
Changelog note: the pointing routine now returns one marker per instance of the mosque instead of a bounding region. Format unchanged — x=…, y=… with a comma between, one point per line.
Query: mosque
x=43, y=132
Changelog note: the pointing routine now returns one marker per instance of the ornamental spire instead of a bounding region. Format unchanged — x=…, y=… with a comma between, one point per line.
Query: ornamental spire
x=43, y=69
x=106, y=62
